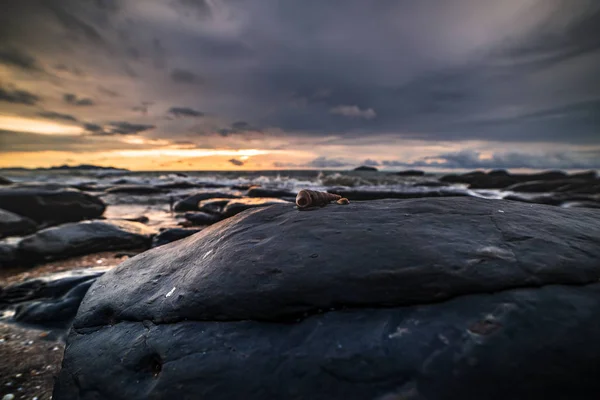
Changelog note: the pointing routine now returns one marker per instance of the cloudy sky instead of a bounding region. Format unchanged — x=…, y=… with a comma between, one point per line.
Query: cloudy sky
x=268, y=84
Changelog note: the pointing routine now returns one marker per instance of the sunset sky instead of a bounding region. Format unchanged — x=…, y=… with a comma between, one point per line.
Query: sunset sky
x=274, y=84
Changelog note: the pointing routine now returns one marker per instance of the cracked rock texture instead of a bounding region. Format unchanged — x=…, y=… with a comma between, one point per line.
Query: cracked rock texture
x=448, y=298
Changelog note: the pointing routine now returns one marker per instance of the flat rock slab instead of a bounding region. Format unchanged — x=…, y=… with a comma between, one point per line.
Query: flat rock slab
x=51, y=205
x=365, y=300
x=85, y=238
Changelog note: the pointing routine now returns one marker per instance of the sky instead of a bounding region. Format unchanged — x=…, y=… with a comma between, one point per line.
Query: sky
x=271, y=84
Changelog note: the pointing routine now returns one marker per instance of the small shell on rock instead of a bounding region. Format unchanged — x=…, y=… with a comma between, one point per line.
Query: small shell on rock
x=343, y=200
x=312, y=198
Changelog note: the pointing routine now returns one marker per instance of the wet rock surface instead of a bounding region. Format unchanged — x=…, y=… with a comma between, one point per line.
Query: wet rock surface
x=213, y=206
x=500, y=179
x=47, y=303
x=190, y=203
x=171, y=235
x=366, y=300
x=8, y=255
x=263, y=192
x=379, y=195
x=85, y=238
x=51, y=205
x=235, y=207
x=201, y=218
x=135, y=189
x=12, y=224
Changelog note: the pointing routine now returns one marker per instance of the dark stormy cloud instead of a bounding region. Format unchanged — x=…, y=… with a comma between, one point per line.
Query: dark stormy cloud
x=185, y=112
x=469, y=75
x=57, y=116
x=17, y=96
x=72, y=99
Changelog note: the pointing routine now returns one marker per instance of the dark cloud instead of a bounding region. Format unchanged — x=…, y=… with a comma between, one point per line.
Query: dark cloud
x=519, y=72
x=116, y=128
x=324, y=162
x=74, y=24
x=238, y=127
x=235, y=162
x=18, y=96
x=57, y=116
x=185, y=112
x=184, y=76
x=17, y=58
x=73, y=100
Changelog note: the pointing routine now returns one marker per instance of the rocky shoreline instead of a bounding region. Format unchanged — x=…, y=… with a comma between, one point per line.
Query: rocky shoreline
x=457, y=243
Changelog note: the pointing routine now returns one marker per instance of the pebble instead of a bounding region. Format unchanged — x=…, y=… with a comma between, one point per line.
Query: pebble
x=9, y=396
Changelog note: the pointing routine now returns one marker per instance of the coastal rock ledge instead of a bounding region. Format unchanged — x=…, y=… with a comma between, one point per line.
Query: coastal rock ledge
x=446, y=298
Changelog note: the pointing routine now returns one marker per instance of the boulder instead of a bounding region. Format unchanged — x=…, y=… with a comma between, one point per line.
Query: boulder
x=12, y=224
x=53, y=313
x=201, y=218
x=86, y=237
x=213, y=206
x=372, y=300
x=191, y=203
x=135, y=189
x=51, y=287
x=365, y=168
x=49, y=206
x=262, y=192
x=8, y=255
x=237, y=206
x=5, y=181
x=171, y=235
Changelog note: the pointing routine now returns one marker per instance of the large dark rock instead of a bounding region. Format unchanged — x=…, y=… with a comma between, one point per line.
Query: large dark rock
x=53, y=313
x=135, y=189
x=48, y=205
x=432, y=298
x=237, y=206
x=5, y=181
x=171, y=235
x=213, y=206
x=191, y=203
x=85, y=238
x=263, y=192
x=12, y=224
x=8, y=255
x=201, y=218
x=48, y=302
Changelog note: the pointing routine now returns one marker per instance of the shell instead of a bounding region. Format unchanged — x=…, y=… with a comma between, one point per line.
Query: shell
x=312, y=198
x=343, y=200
